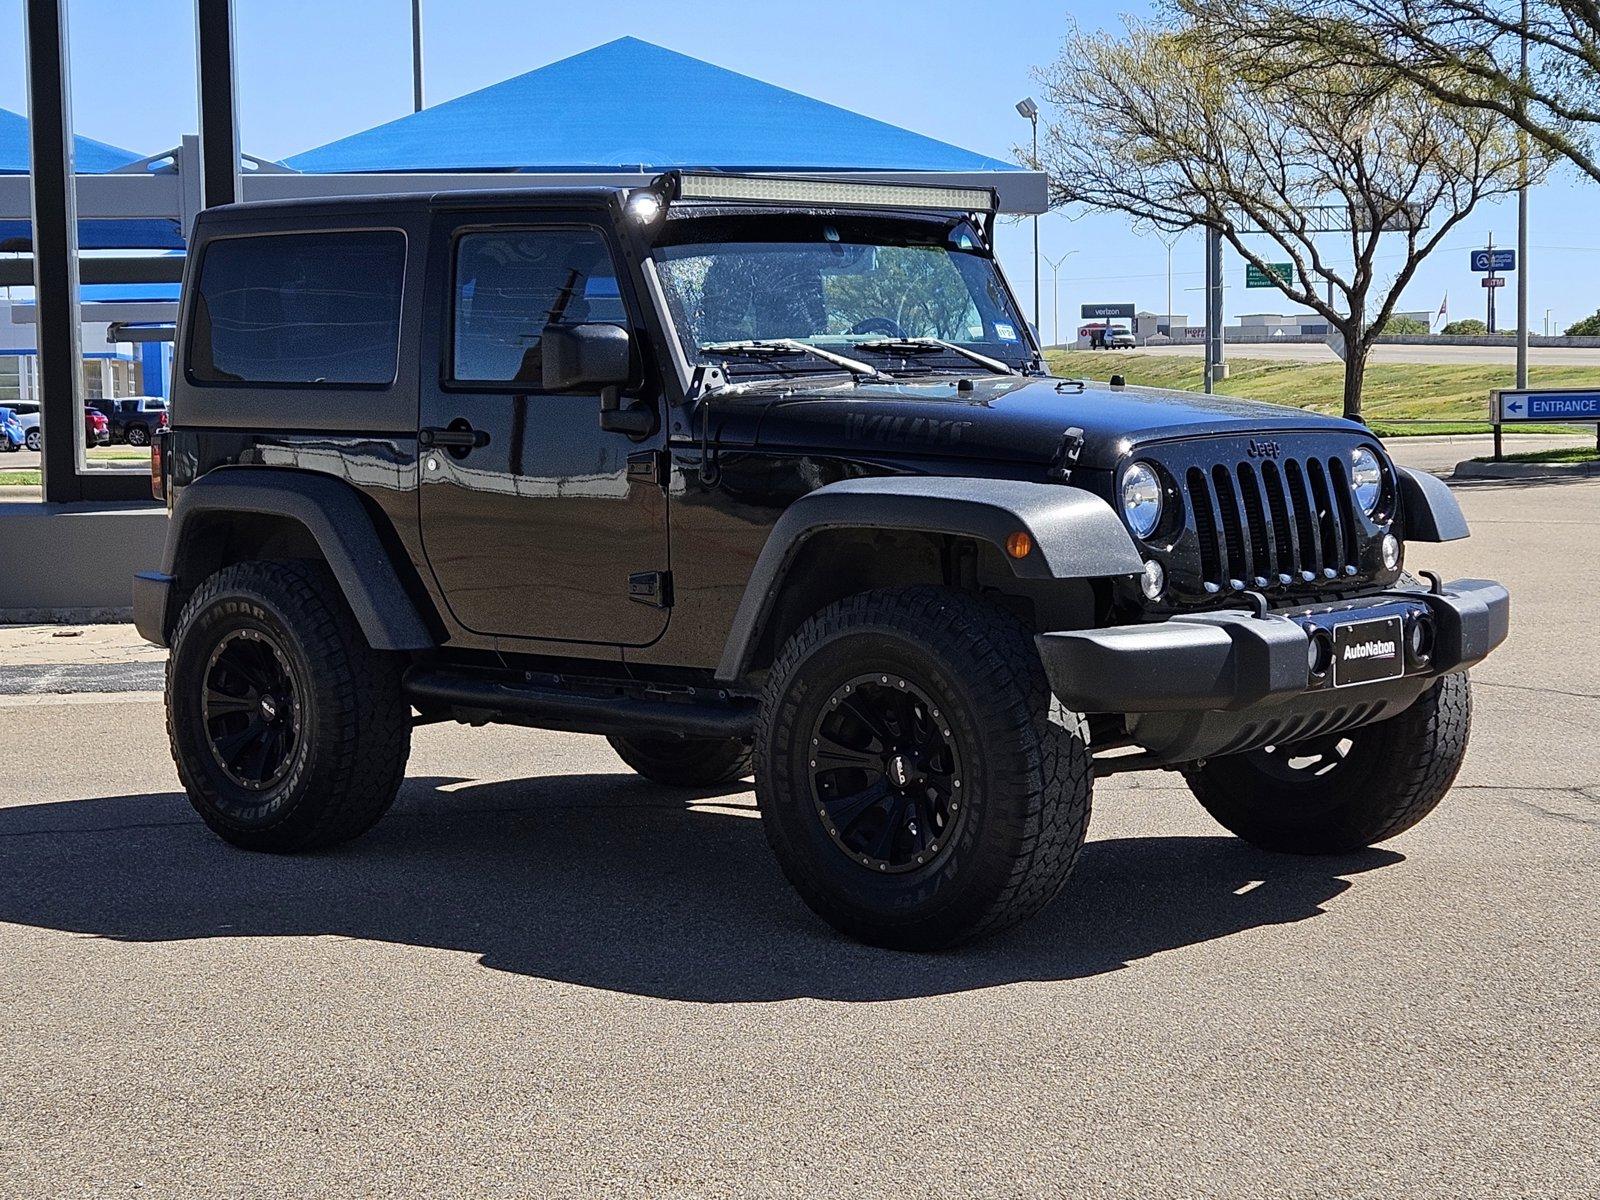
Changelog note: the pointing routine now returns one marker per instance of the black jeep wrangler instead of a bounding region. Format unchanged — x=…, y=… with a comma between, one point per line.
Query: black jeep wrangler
x=767, y=475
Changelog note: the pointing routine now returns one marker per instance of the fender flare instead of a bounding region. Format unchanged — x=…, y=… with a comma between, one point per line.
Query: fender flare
x=1430, y=509
x=332, y=512
x=1075, y=535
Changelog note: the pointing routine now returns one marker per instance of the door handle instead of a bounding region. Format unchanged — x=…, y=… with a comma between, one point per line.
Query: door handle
x=460, y=436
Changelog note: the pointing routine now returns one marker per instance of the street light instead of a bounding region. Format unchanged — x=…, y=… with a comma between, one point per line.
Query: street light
x=1055, y=294
x=1029, y=111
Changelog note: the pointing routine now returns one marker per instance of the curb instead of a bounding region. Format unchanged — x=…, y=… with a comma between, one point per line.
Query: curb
x=1473, y=469
x=66, y=616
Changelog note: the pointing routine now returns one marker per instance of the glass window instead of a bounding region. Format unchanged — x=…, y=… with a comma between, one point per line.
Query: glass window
x=308, y=308
x=869, y=287
x=511, y=283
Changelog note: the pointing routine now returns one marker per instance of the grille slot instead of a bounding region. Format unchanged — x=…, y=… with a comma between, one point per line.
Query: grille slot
x=1264, y=521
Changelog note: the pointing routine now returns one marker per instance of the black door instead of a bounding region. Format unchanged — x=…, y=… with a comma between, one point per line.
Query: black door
x=535, y=519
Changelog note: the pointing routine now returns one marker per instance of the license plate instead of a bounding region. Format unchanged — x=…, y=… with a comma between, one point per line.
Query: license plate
x=1367, y=651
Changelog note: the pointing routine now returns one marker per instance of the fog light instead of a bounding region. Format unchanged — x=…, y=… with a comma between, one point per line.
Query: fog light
x=1391, y=552
x=1319, y=653
x=1419, y=638
x=1153, y=581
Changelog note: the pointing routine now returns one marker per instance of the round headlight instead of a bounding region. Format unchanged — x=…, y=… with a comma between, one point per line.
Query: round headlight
x=1366, y=478
x=1141, y=499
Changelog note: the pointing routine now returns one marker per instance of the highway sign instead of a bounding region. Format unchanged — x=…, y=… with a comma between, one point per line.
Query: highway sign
x=1125, y=311
x=1255, y=277
x=1493, y=281
x=1494, y=260
x=1551, y=404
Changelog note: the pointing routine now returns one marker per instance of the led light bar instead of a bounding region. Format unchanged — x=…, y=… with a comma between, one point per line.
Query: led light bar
x=758, y=189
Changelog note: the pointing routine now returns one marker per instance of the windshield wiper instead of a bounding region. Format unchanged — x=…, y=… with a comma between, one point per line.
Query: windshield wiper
x=771, y=347
x=914, y=345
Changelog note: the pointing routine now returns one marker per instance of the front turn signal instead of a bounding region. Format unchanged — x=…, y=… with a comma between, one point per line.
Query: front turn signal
x=1019, y=544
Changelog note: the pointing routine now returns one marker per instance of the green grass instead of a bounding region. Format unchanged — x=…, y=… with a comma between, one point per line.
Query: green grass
x=1567, y=454
x=1457, y=393
x=19, y=478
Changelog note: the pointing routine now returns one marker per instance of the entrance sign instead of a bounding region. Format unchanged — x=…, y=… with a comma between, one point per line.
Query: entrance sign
x=1553, y=404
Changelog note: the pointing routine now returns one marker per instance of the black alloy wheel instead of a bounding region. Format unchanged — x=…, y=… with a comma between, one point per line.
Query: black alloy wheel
x=917, y=782
x=251, y=710
x=885, y=773
x=289, y=731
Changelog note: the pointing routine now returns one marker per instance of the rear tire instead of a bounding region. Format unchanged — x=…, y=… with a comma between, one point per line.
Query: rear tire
x=290, y=733
x=685, y=762
x=1351, y=789
x=953, y=792
x=33, y=440
x=138, y=435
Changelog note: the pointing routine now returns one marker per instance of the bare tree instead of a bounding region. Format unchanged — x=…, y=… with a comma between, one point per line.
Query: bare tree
x=1341, y=164
x=1467, y=53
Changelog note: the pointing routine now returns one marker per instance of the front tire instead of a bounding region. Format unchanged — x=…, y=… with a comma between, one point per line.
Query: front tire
x=289, y=732
x=1347, y=790
x=685, y=762
x=917, y=781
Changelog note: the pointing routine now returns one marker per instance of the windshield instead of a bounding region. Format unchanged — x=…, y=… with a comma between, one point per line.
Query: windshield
x=884, y=293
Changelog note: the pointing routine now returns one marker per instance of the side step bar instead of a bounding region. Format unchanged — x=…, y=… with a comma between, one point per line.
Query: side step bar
x=552, y=707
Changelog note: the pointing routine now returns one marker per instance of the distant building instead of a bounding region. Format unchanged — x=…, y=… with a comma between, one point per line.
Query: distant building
x=108, y=370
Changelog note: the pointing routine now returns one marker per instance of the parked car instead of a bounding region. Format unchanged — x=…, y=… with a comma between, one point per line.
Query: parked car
x=12, y=438
x=133, y=418
x=96, y=429
x=1108, y=337
x=713, y=468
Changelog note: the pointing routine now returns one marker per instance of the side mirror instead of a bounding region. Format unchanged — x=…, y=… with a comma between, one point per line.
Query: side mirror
x=584, y=356
x=596, y=355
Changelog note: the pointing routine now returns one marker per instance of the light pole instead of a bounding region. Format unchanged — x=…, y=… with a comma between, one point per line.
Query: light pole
x=1169, y=244
x=1030, y=113
x=1522, y=219
x=416, y=55
x=1055, y=295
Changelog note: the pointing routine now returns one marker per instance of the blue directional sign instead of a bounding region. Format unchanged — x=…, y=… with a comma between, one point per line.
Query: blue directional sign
x=1554, y=404
x=1494, y=260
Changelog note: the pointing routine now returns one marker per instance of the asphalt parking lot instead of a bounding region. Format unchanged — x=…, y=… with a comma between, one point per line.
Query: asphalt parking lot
x=542, y=976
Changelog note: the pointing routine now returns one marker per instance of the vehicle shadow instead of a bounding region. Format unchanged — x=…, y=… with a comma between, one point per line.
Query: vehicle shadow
x=611, y=882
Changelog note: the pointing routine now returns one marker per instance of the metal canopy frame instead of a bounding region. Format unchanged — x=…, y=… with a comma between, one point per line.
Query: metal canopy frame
x=208, y=169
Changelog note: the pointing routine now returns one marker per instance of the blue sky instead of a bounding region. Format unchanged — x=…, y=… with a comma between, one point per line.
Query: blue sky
x=312, y=72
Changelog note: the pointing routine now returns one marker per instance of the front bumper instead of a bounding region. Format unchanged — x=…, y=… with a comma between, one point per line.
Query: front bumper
x=1221, y=682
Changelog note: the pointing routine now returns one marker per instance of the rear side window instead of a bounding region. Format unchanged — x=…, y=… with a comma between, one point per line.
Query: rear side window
x=303, y=308
x=511, y=283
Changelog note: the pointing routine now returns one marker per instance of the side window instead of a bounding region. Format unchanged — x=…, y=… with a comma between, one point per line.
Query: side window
x=511, y=283
x=303, y=308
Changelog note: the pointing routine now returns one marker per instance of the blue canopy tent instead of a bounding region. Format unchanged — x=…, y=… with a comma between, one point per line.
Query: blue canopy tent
x=90, y=158
x=629, y=105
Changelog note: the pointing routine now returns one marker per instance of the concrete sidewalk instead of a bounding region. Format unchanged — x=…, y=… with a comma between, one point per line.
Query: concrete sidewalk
x=43, y=660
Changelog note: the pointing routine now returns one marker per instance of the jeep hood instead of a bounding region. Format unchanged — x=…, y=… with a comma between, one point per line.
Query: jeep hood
x=1000, y=419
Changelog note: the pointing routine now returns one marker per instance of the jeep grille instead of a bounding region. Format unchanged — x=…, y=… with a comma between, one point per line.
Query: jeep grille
x=1283, y=525
x=1273, y=522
